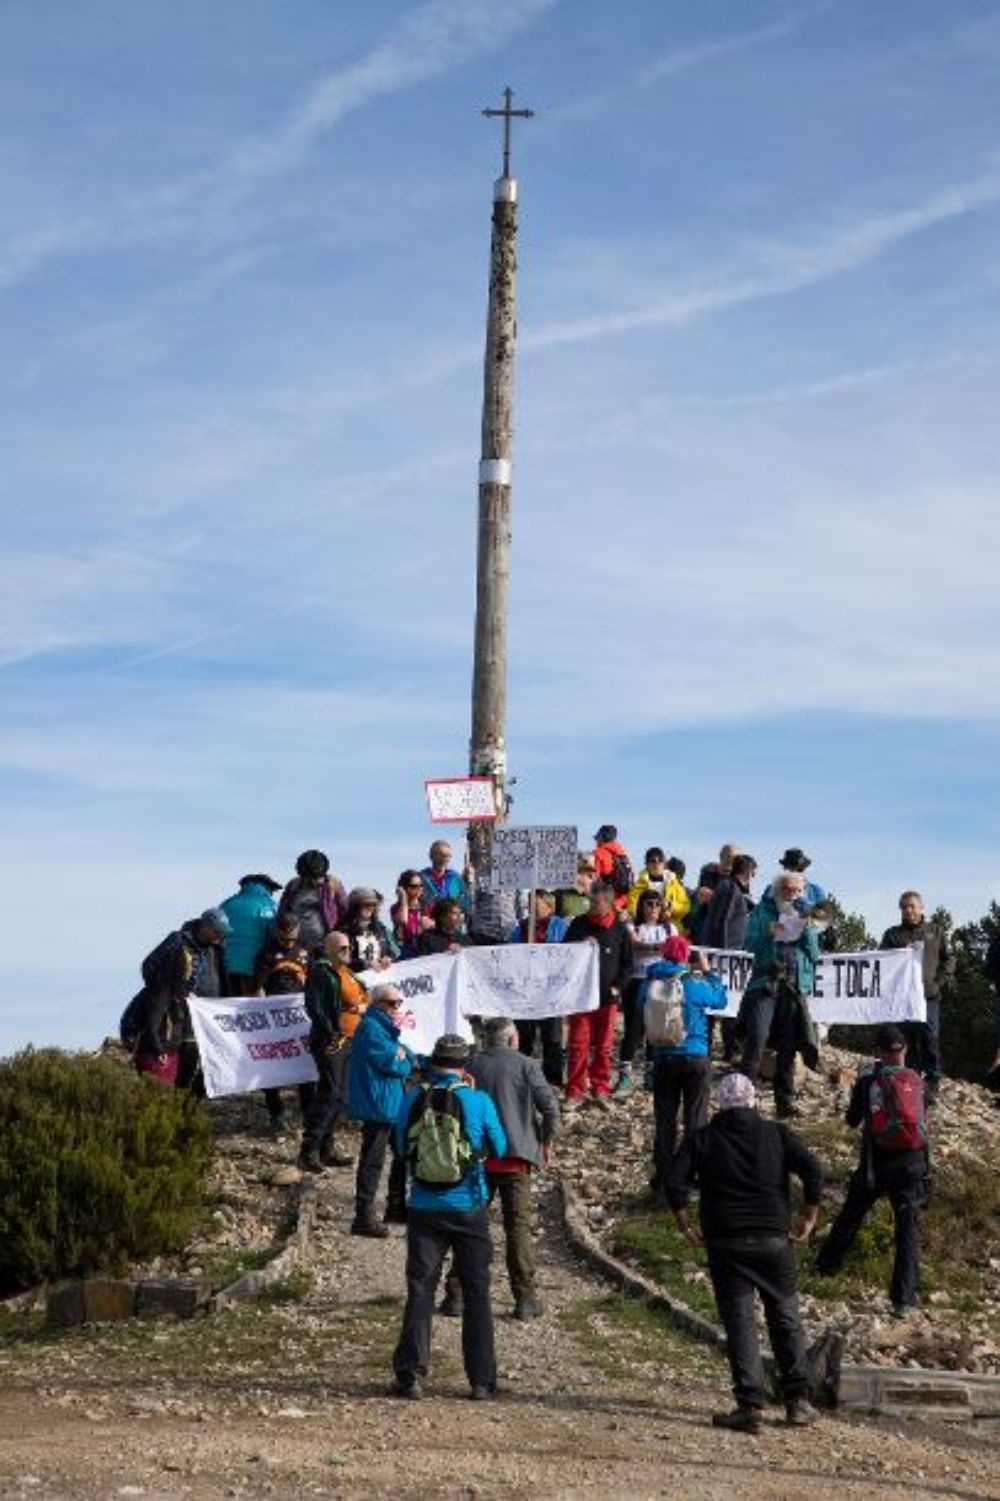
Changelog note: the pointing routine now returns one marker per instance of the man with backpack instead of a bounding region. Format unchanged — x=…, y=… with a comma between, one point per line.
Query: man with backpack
x=612, y=864
x=888, y=1103
x=156, y=1025
x=675, y=999
x=445, y=1131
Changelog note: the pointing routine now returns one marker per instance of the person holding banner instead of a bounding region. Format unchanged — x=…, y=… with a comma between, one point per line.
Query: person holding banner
x=335, y=1000
x=591, y=1033
x=548, y=927
x=923, y=1038
x=380, y=1065
x=775, y=1007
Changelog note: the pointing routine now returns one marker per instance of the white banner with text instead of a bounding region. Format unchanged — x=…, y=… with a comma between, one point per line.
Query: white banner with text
x=527, y=980
x=848, y=989
x=252, y=1044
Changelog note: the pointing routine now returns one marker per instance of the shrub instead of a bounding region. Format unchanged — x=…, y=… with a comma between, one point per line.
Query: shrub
x=97, y=1167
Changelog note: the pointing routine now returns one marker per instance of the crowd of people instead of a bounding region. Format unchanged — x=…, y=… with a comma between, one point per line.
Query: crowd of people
x=470, y=1124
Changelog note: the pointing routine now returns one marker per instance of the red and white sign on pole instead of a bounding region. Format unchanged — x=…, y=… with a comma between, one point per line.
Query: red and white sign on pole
x=461, y=799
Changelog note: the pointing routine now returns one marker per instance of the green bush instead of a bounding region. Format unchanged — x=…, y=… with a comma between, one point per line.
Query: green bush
x=97, y=1167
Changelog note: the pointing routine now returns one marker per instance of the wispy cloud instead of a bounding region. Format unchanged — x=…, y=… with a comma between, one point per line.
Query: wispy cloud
x=680, y=59
x=784, y=267
x=425, y=44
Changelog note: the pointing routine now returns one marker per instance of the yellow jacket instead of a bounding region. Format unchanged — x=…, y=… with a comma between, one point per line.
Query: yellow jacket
x=678, y=903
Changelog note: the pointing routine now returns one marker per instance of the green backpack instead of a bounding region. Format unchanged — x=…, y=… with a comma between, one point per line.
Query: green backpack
x=439, y=1151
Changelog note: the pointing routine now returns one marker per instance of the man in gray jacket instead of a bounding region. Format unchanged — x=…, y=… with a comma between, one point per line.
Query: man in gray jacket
x=529, y=1114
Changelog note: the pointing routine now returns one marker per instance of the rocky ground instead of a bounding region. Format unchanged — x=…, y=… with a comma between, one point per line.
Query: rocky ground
x=288, y=1397
x=607, y=1160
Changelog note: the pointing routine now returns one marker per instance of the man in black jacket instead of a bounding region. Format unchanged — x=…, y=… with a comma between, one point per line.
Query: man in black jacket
x=189, y=962
x=741, y=1164
x=899, y=1172
x=591, y=1033
x=923, y=1038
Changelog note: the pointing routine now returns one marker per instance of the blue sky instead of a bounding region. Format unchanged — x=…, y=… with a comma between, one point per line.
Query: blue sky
x=243, y=260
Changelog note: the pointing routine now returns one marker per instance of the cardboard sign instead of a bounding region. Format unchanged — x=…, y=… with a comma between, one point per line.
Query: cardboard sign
x=461, y=799
x=533, y=855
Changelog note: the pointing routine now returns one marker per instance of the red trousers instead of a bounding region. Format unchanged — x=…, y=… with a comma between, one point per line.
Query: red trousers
x=591, y=1034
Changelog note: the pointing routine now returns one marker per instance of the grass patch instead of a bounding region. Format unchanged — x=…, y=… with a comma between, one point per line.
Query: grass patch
x=291, y=1289
x=224, y=1267
x=653, y=1241
x=618, y=1333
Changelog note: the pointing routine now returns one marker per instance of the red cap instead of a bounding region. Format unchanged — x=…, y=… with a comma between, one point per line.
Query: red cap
x=677, y=949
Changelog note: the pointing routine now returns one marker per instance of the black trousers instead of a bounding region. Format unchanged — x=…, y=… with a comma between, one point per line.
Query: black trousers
x=429, y=1237
x=375, y=1138
x=771, y=1016
x=677, y=1081
x=328, y=1099
x=903, y=1180
x=923, y=1039
x=549, y=1030
x=740, y=1268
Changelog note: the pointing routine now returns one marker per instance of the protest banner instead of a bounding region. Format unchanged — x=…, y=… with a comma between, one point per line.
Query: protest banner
x=252, y=1044
x=430, y=1005
x=460, y=799
x=533, y=855
x=524, y=980
x=848, y=989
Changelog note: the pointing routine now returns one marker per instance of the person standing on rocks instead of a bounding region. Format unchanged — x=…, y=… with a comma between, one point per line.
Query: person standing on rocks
x=682, y=1070
x=591, y=1033
x=157, y=1020
x=335, y=1000
x=447, y=1129
x=251, y=912
x=379, y=1066
x=741, y=1164
x=548, y=927
x=317, y=899
x=529, y=1114
x=888, y=1104
x=923, y=1038
x=785, y=948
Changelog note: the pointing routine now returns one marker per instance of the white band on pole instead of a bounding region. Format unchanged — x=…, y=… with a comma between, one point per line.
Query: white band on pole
x=494, y=472
x=505, y=190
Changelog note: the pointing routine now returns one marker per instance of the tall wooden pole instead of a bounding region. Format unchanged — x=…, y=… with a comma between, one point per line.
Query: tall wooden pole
x=488, y=745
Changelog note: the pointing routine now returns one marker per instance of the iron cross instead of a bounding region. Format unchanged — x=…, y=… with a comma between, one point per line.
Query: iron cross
x=507, y=114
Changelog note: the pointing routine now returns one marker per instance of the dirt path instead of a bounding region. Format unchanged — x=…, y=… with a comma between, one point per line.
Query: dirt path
x=599, y=1398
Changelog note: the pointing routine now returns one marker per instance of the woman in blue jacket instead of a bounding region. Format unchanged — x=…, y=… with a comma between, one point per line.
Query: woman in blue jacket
x=682, y=1074
x=378, y=1068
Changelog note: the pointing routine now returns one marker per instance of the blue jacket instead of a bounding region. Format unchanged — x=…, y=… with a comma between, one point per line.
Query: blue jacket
x=251, y=912
x=555, y=930
x=486, y=1136
x=375, y=1071
x=767, y=968
x=701, y=993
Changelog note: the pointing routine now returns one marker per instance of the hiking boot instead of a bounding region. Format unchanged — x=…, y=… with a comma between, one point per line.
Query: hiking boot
x=624, y=1081
x=371, y=1228
x=571, y=1104
x=406, y=1386
x=740, y=1420
x=800, y=1413
x=332, y=1156
x=903, y=1310
x=308, y=1162
x=450, y=1308
x=600, y=1102
x=789, y=1111
x=528, y=1308
x=482, y=1393
x=395, y=1214
x=278, y=1125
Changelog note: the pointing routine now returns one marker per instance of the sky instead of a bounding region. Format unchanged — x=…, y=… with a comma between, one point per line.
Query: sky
x=243, y=272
